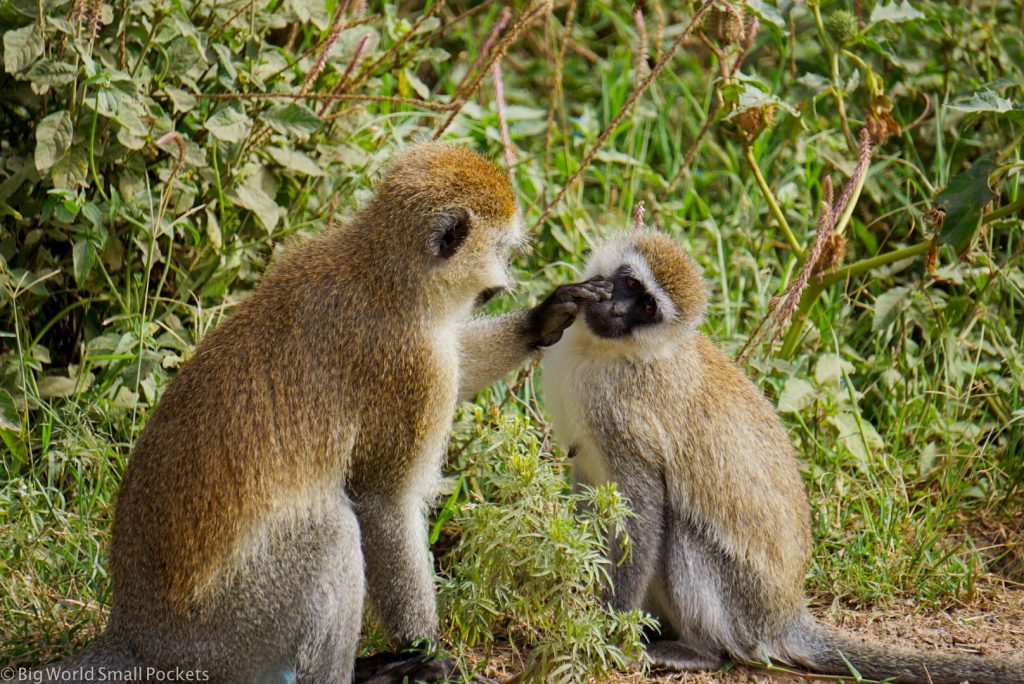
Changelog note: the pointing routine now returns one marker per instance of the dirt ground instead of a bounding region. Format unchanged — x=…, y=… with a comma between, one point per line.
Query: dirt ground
x=990, y=625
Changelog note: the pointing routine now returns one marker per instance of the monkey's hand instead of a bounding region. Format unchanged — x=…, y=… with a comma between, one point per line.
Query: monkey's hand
x=549, y=319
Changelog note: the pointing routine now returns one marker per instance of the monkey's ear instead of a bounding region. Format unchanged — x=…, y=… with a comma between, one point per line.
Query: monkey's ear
x=447, y=232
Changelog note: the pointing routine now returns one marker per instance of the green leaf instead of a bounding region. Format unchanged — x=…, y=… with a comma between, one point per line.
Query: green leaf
x=46, y=74
x=56, y=386
x=228, y=124
x=71, y=170
x=860, y=439
x=895, y=13
x=796, y=395
x=830, y=369
x=985, y=101
x=766, y=12
x=963, y=202
x=21, y=47
x=182, y=100
x=53, y=139
x=83, y=255
x=9, y=419
x=252, y=197
x=296, y=161
x=293, y=118
x=888, y=306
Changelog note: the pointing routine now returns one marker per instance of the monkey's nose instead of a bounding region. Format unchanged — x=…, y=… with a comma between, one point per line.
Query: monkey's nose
x=619, y=308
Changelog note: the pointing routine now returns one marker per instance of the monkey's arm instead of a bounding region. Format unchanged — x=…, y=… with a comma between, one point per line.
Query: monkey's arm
x=490, y=347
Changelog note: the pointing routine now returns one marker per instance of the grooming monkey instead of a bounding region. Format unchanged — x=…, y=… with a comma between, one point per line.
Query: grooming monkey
x=304, y=439
x=721, y=541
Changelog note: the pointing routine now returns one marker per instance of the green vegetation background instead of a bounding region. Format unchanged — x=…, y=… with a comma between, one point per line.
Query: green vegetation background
x=155, y=155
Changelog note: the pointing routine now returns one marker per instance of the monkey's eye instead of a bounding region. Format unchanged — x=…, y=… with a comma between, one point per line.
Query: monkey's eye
x=648, y=307
x=633, y=283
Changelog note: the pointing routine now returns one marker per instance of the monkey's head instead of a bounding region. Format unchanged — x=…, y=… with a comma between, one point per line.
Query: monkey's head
x=451, y=216
x=659, y=293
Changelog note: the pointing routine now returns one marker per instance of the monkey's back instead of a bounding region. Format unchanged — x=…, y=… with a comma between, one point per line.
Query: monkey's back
x=260, y=421
x=734, y=469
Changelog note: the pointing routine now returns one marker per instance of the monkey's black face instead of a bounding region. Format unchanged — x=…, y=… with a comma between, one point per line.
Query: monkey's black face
x=629, y=307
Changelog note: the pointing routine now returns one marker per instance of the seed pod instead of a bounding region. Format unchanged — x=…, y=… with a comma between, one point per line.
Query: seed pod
x=842, y=26
x=727, y=24
x=755, y=120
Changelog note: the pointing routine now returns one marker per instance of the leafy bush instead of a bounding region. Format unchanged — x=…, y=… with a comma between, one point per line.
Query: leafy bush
x=530, y=559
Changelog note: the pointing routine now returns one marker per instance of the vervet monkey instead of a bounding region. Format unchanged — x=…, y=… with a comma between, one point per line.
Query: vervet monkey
x=721, y=541
x=304, y=439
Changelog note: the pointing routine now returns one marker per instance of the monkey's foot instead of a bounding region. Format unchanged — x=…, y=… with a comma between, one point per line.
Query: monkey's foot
x=678, y=657
x=395, y=668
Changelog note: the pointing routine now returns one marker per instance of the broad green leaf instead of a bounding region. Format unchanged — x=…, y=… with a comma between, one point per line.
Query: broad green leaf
x=306, y=11
x=228, y=124
x=894, y=12
x=56, y=386
x=10, y=421
x=860, y=439
x=296, y=161
x=293, y=118
x=83, y=255
x=888, y=306
x=796, y=395
x=985, y=101
x=53, y=138
x=213, y=229
x=182, y=100
x=71, y=170
x=963, y=202
x=21, y=47
x=830, y=369
x=46, y=74
x=251, y=196
x=767, y=12
x=414, y=82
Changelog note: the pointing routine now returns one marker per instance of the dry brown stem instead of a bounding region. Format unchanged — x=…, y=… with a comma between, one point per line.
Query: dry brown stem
x=521, y=24
x=627, y=107
x=499, y=102
x=641, y=36
x=485, y=48
x=415, y=102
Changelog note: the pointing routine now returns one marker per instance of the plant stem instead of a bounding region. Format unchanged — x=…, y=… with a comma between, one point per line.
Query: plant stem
x=748, y=154
x=1006, y=210
x=815, y=289
x=871, y=263
x=833, y=60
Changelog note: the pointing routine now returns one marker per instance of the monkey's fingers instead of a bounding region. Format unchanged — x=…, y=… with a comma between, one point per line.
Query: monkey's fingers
x=602, y=285
x=582, y=293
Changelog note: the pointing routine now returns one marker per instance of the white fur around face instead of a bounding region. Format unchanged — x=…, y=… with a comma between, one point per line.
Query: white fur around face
x=644, y=343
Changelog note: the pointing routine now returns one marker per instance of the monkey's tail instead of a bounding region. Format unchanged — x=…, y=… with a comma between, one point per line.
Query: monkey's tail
x=102, y=660
x=828, y=651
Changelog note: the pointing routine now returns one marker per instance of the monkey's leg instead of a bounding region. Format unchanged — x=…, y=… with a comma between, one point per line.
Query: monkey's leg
x=400, y=583
x=290, y=610
x=643, y=485
x=329, y=648
x=399, y=572
x=677, y=656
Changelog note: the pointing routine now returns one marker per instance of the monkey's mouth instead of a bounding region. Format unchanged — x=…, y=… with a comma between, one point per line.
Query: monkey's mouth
x=603, y=323
x=488, y=294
